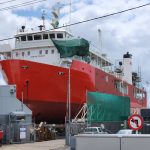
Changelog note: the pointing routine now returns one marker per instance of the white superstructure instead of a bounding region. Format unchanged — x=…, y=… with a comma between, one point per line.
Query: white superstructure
x=39, y=47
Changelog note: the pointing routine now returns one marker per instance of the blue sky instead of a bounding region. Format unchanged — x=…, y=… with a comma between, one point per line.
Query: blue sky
x=37, y=11
x=26, y=13
x=120, y=33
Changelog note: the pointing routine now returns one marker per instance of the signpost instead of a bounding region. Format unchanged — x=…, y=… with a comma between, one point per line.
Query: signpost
x=135, y=122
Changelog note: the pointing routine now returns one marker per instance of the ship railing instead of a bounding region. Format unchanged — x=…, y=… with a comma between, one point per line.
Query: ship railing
x=78, y=58
x=140, y=86
x=107, y=69
x=4, y=57
x=95, y=50
x=65, y=62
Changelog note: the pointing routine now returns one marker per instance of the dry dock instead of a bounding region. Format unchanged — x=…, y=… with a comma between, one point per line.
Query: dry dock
x=46, y=145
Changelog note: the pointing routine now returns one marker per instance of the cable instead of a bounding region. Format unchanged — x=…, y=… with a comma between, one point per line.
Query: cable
x=104, y=16
x=22, y=4
x=6, y=39
x=8, y=1
x=112, y=14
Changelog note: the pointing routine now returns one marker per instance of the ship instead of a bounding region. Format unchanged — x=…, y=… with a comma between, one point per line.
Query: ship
x=51, y=66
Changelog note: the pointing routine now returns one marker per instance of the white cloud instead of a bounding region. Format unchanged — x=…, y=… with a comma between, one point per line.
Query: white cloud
x=11, y=23
x=120, y=33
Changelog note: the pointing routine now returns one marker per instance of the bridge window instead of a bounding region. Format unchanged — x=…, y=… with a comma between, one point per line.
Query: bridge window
x=52, y=36
x=28, y=53
x=121, y=87
x=40, y=52
x=59, y=35
x=29, y=37
x=23, y=38
x=52, y=51
x=17, y=39
x=138, y=94
x=45, y=36
x=46, y=51
x=16, y=54
x=37, y=37
x=23, y=54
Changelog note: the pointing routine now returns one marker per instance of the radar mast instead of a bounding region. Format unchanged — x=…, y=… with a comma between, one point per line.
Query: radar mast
x=43, y=18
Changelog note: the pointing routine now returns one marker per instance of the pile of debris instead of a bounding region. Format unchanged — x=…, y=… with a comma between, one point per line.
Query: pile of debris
x=45, y=132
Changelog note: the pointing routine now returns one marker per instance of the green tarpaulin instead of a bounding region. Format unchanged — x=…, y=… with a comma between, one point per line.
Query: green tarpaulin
x=107, y=107
x=69, y=48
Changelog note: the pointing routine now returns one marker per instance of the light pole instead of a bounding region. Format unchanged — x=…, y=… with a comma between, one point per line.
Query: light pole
x=69, y=97
x=68, y=111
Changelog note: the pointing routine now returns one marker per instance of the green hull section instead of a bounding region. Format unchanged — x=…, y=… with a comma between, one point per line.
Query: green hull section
x=69, y=48
x=106, y=107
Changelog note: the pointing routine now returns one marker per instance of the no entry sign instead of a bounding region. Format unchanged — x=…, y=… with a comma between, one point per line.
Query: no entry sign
x=135, y=122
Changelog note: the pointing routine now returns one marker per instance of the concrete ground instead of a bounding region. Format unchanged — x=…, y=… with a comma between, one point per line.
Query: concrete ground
x=46, y=145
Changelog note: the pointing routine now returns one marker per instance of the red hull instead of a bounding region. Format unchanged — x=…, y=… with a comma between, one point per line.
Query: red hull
x=44, y=87
x=1, y=135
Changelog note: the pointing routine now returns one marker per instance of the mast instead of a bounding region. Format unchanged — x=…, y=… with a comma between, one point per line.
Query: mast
x=99, y=40
x=43, y=18
x=70, y=16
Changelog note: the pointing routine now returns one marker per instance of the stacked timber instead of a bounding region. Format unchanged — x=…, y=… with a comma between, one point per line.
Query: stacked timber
x=44, y=132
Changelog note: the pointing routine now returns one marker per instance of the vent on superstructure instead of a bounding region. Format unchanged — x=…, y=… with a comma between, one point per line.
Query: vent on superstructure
x=136, y=77
x=104, y=55
x=118, y=69
x=41, y=27
x=22, y=29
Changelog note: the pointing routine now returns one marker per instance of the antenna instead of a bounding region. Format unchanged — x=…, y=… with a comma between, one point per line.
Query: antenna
x=43, y=18
x=70, y=16
x=139, y=75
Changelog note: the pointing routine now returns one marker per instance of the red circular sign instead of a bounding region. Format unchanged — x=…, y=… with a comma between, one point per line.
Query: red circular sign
x=135, y=122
